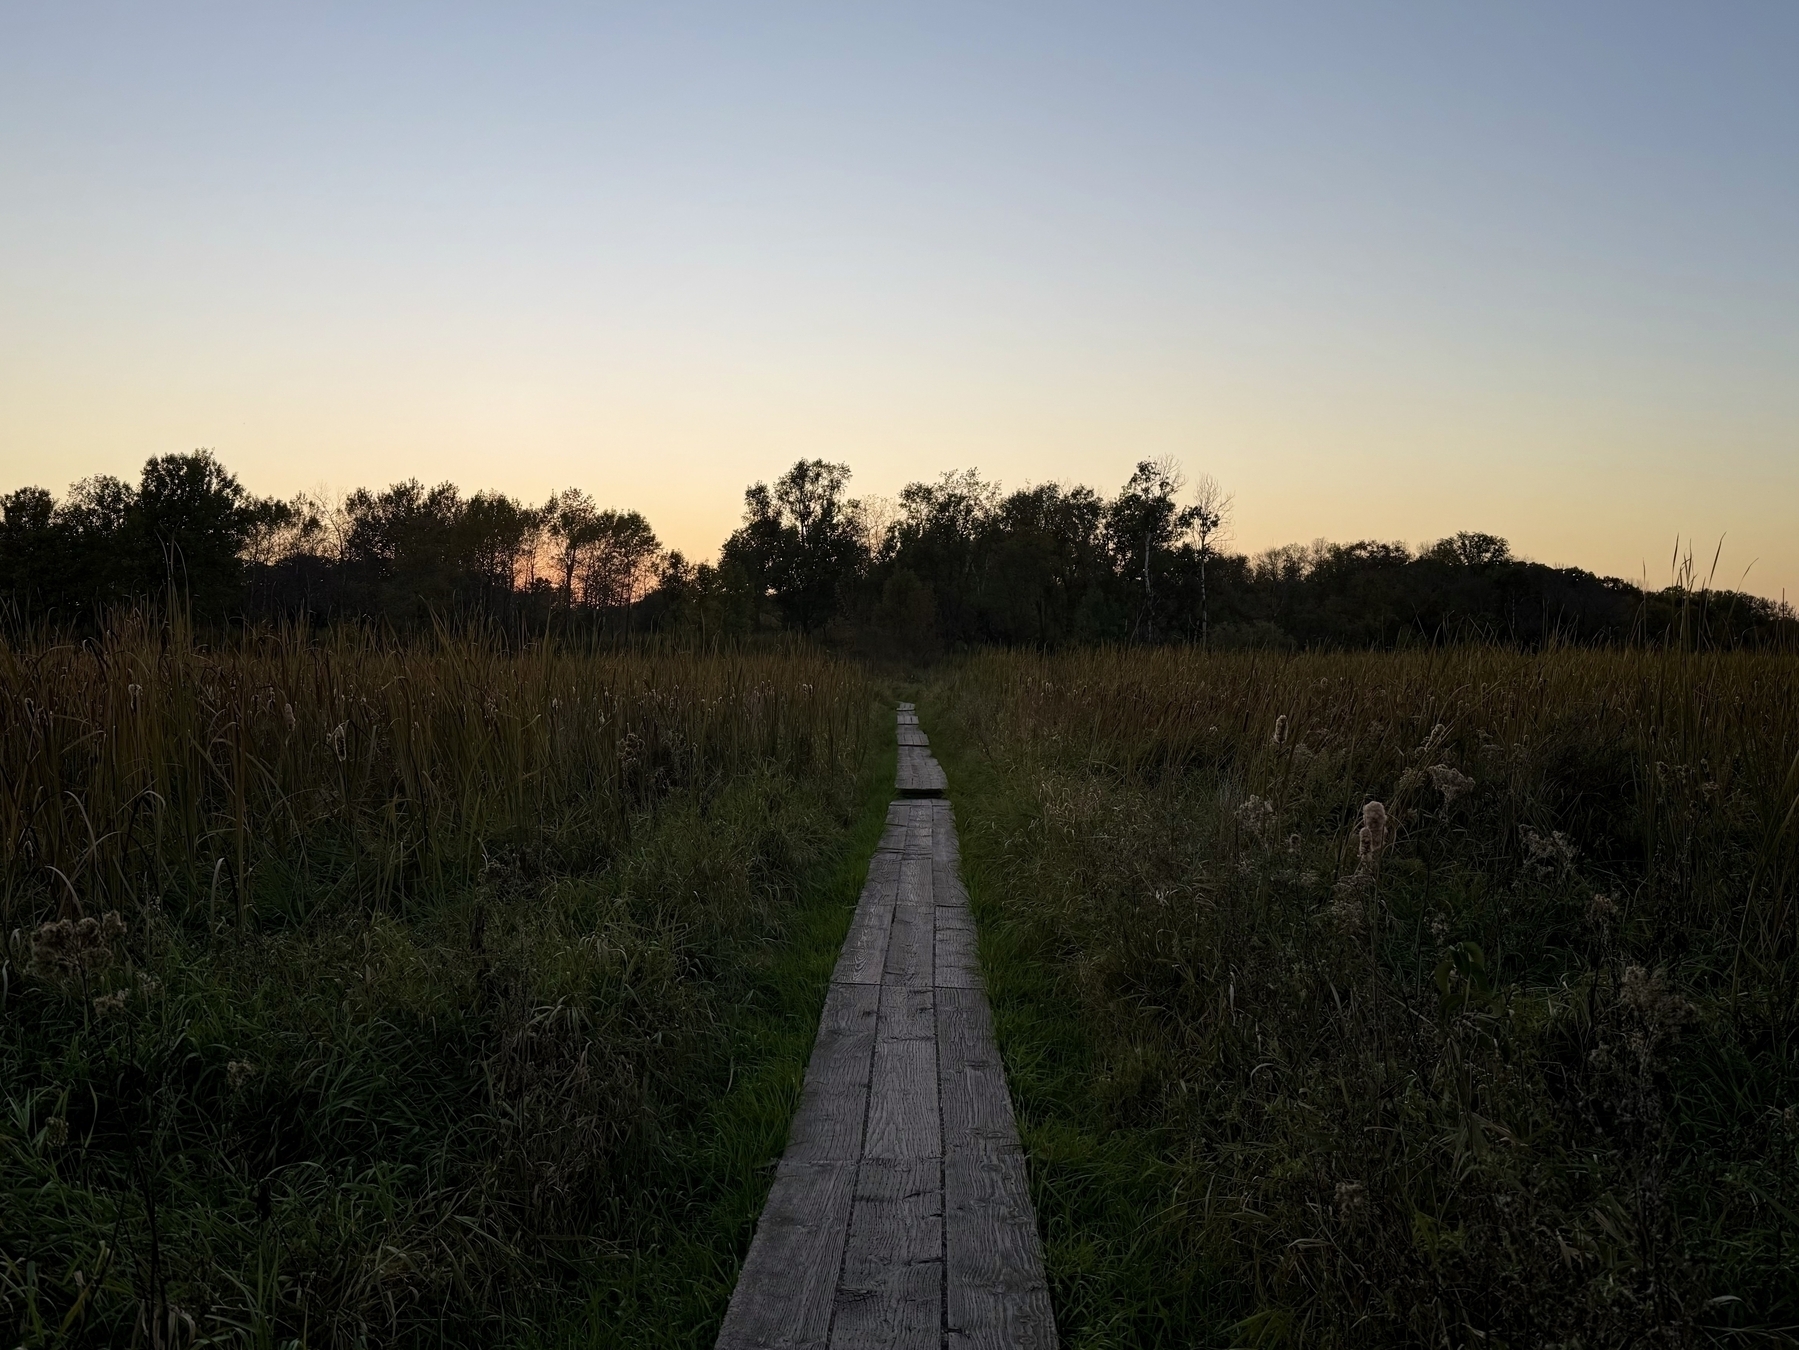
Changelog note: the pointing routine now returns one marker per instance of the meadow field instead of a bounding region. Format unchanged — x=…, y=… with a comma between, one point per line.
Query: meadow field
x=364, y=991
x=1433, y=998
x=374, y=993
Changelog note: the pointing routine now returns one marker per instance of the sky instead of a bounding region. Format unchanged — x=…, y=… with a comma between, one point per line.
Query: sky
x=1385, y=270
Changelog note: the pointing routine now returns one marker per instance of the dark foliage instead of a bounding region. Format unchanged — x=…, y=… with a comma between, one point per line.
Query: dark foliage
x=951, y=565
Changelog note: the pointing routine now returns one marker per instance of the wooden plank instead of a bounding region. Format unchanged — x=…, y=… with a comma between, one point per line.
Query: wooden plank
x=864, y=954
x=907, y=707
x=920, y=829
x=893, y=836
x=946, y=858
x=956, y=962
x=977, y=1109
x=919, y=774
x=900, y=1214
x=891, y=1292
x=995, y=1296
x=903, y=1121
x=787, y=1290
x=907, y=1014
x=911, y=942
x=943, y=817
x=833, y=1108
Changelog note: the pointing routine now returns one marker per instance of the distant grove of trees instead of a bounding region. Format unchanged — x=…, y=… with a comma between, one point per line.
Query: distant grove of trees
x=949, y=564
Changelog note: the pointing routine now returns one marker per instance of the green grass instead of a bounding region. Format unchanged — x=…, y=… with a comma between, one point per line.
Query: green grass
x=359, y=993
x=1121, y=1271
x=703, y=1184
x=1518, y=1066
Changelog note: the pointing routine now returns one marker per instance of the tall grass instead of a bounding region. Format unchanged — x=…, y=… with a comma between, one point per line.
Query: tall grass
x=1509, y=1060
x=349, y=984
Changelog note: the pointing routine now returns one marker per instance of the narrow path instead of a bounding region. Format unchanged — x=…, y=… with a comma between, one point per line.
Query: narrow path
x=899, y=1214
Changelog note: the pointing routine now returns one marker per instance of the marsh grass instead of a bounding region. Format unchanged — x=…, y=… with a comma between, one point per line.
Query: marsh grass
x=1509, y=1061
x=354, y=990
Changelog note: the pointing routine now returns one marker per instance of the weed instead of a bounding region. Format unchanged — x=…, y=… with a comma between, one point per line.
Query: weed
x=1459, y=1009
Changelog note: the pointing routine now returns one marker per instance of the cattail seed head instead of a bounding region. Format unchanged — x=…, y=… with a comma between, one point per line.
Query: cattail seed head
x=1374, y=832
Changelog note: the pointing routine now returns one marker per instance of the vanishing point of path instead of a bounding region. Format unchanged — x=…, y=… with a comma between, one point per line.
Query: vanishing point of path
x=899, y=1214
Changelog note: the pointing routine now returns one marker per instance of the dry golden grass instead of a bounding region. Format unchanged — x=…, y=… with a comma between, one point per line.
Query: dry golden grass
x=351, y=987
x=1434, y=998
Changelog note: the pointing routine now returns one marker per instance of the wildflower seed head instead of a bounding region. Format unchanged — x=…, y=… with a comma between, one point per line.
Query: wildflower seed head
x=70, y=949
x=1649, y=997
x=1548, y=856
x=1450, y=782
x=1255, y=815
x=107, y=1004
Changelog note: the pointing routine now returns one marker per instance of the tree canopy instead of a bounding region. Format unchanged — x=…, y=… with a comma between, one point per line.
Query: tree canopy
x=949, y=564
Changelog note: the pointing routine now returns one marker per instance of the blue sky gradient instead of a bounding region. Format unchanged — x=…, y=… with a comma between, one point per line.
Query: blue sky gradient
x=1387, y=270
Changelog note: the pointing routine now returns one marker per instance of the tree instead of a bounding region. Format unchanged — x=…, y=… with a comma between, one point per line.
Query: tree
x=618, y=560
x=570, y=519
x=1209, y=520
x=801, y=542
x=1470, y=548
x=1146, y=518
x=191, y=520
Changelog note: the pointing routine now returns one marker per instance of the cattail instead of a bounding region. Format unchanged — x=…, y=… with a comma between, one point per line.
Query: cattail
x=1373, y=836
x=1280, y=729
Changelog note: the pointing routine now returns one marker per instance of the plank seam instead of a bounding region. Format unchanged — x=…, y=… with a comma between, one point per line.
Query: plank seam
x=942, y=1153
x=849, y=1226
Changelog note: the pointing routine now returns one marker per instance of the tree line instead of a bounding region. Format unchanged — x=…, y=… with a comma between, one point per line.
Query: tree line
x=950, y=564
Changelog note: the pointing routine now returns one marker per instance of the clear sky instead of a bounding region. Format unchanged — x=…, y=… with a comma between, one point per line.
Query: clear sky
x=1386, y=270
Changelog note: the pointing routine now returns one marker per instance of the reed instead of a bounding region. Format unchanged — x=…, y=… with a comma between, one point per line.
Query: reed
x=350, y=985
x=1425, y=998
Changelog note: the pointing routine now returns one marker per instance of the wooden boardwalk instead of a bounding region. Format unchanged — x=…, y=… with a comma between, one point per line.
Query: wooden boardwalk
x=899, y=1214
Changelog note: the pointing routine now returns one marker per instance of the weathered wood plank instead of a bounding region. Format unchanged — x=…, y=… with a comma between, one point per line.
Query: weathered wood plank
x=903, y=1120
x=946, y=858
x=996, y=1297
x=977, y=1109
x=903, y=1172
x=787, y=1290
x=920, y=826
x=911, y=941
x=864, y=954
x=893, y=835
x=956, y=962
x=891, y=1293
x=907, y=1014
x=833, y=1107
x=919, y=775
x=902, y=1102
